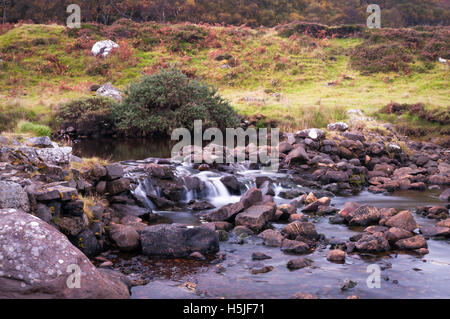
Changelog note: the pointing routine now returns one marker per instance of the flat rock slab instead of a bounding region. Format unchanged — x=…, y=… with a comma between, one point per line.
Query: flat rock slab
x=57, y=192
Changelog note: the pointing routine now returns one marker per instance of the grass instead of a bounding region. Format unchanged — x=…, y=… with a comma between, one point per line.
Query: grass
x=34, y=129
x=298, y=82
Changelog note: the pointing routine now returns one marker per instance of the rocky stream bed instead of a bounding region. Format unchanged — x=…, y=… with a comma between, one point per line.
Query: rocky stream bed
x=153, y=228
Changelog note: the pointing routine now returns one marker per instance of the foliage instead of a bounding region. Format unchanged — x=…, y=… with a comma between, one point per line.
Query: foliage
x=162, y=102
x=87, y=115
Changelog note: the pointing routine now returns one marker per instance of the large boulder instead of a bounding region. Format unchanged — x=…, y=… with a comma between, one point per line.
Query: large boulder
x=12, y=195
x=103, y=48
x=37, y=261
x=125, y=237
x=256, y=217
x=178, y=240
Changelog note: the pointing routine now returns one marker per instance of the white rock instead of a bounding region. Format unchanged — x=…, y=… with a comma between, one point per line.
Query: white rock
x=103, y=47
x=442, y=60
x=109, y=90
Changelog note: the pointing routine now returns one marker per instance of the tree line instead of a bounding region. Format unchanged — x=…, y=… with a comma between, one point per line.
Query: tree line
x=395, y=13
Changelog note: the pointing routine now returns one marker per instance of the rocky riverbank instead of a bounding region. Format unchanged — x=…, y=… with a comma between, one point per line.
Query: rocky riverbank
x=108, y=209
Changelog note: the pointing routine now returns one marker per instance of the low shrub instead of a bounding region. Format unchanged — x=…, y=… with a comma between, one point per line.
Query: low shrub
x=88, y=116
x=34, y=128
x=162, y=102
x=381, y=58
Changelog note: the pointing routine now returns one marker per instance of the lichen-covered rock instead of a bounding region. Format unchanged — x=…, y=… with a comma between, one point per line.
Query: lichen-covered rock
x=12, y=195
x=38, y=262
x=57, y=156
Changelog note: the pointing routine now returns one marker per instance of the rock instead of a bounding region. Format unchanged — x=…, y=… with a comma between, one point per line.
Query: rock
x=403, y=220
x=297, y=229
x=256, y=217
x=71, y=226
x=12, y=195
x=372, y=243
x=197, y=256
x=445, y=196
x=301, y=295
x=226, y=213
x=43, y=212
x=312, y=133
x=298, y=263
x=74, y=208
x=310, y=198
x=41, y=142
x=284, y=147
x=251, y=197
x=394, y=148
x=287, y=209
x=262, y=270
x=231, y=183
x=348, y=284
x=130, y=210
x=294, y=247
x=439, y=180
x=177, y=240
x=38, y=262
x=103, y=48
x=118, y=186
x=54, y=192
x=394, y=234
x=364, y=216
x=87, y=243
x=242, y=231
x=339, y=126
x=354, y=136
x=114, y=171
x=336, y=255
x=412, y=243
x=444, y=223
x=260, y=256
x=125, y=237
x=271, y=238
x=56, y=156
x=297, y=155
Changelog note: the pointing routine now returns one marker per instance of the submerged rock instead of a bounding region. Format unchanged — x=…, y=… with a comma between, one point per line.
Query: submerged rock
x=40, y=262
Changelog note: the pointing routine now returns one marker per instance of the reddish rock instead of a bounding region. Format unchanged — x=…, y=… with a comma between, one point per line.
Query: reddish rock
x=403, y=220
x=295, y=247
x=336, y=255
x=348, y=209
x=272, y=238
x=412, y=243
x=395, y=234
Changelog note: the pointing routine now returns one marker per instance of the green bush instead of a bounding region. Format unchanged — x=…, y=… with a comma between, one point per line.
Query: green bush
x=35, y=129
x=160, y=103
x=87, y=116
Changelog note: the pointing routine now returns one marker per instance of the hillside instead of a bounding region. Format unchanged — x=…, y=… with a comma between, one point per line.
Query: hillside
x=295, y=76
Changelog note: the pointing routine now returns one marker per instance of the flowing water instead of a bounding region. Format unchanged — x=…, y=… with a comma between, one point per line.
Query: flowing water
x=402, y=275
